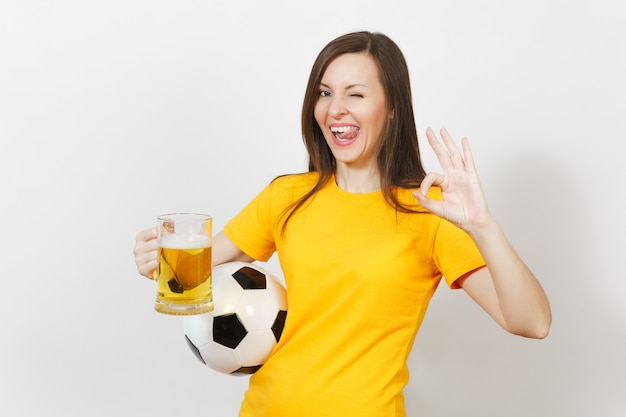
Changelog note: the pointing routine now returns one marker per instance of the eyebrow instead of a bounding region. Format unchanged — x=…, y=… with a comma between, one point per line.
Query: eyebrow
x=347, y=87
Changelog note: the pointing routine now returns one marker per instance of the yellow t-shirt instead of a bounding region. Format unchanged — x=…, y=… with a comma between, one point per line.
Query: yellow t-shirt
x=359, y=279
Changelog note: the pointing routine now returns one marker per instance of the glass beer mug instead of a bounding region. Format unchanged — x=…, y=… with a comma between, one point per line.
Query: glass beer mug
x=184, y=271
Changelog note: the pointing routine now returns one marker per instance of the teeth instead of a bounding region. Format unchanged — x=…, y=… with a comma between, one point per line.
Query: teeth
x=342, y=129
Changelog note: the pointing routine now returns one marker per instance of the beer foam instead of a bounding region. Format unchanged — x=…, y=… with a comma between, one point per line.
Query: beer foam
x=184, y=241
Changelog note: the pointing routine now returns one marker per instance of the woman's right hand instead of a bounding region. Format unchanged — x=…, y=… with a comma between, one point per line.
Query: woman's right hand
x=146, y=252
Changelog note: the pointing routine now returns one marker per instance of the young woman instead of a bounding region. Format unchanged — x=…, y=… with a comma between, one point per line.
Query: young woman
x=363, y=240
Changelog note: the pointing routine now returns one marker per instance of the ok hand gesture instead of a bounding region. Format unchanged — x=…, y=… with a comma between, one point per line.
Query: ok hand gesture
x=463, y=201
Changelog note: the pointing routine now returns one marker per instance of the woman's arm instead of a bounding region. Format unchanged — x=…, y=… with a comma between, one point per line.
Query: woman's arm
x=146, y=251
x=224, y=250
x=506, y=288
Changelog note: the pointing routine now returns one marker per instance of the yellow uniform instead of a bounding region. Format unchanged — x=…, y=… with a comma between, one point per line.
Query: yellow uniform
x=359, y=279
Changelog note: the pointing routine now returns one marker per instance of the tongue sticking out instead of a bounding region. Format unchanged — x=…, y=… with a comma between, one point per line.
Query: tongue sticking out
x=350, y=134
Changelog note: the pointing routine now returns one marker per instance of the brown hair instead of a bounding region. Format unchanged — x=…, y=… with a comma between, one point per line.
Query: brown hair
x=399, y=161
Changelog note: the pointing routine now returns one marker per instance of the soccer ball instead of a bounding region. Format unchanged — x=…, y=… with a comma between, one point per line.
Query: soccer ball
x=250, y=310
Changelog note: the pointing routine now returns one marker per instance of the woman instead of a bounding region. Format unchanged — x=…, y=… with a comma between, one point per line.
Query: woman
x=363, y=239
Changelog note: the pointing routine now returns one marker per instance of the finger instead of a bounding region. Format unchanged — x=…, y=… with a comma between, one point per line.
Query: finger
x=421, y=198
x=467, y=155
x=146, y=235
x=426, y=202
x=429, y=180
x=440, y=151
x=148, y=269
x=146, y=252
x=143, y=247
x=453, y=150
x=146, y=260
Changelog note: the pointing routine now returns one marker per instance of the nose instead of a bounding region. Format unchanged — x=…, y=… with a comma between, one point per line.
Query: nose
x=337, y=107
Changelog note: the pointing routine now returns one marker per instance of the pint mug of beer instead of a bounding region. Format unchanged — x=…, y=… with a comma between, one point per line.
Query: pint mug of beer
x=184, y=274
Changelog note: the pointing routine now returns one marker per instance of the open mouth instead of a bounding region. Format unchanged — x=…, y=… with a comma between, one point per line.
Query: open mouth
x=345, y=133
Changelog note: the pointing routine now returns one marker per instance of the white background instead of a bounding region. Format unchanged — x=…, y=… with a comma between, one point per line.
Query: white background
x=112, y=112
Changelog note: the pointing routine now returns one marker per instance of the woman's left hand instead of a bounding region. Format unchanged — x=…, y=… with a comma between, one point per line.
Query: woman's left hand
x=463, y=201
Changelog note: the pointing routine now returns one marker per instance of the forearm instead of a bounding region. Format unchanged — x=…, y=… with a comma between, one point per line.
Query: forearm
x=523, y=304
x=224, y=250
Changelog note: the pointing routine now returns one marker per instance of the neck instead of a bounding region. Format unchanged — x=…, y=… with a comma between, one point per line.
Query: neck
x=358, y=181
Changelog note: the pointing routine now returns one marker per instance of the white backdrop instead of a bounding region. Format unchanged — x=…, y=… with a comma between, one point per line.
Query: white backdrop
x=112, y=112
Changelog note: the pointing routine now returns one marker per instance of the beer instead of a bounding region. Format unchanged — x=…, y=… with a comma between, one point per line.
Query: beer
x=184, y=272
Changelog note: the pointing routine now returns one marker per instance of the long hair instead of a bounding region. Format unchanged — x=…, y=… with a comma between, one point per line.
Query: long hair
x=398, y=159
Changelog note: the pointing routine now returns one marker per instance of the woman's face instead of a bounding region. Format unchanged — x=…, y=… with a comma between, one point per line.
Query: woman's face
x=352, y=110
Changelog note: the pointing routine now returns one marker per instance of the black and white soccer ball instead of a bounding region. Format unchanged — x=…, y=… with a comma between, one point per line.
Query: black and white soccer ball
x=238, y=336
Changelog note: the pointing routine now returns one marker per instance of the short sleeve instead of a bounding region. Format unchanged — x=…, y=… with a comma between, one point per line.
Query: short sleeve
x=455, y=253
x=251, y=230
